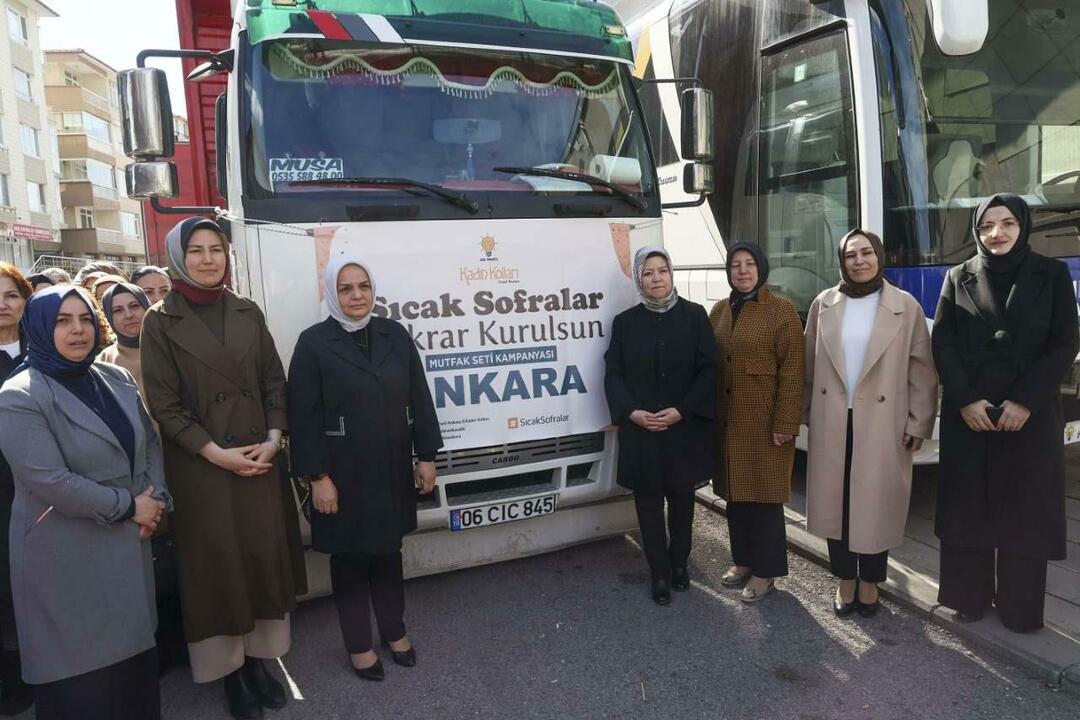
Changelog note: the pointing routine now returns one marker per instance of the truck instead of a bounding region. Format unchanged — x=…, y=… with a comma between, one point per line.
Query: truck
x=489, y=163
x=897, y=117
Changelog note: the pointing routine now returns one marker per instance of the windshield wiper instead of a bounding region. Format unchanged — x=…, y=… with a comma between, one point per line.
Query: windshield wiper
x=460, y=199
x=626, y=195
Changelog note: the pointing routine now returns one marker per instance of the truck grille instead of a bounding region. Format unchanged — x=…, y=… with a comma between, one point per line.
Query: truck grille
x=511, y=454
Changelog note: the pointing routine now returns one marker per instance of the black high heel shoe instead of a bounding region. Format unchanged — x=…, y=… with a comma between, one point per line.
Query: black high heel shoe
x=269, y=691
x=868, y=609
x=405, y=658
x=372, y=672
x=843, y=609
x=661, y=591
x=244, y=703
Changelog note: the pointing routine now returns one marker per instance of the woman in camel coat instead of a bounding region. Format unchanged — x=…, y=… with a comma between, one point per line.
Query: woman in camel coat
x=868, y=369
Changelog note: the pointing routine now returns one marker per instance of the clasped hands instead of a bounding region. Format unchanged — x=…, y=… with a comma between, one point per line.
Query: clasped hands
x=247, y=461
x=1013, y=417
x=655, y=422
x=148, y=512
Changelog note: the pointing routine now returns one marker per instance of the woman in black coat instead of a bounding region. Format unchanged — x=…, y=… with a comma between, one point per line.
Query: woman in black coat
x=362, y=408
x=1004, y=336
x=660, y=382
x=15, y=290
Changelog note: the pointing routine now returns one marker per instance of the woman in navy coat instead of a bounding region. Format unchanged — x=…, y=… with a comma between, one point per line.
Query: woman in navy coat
x=362, y=408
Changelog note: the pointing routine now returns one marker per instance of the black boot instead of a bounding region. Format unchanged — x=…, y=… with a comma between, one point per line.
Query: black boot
x=680, y=579
x=661, y=591
x=15, y=696
x=270, y=692
x=244, y=704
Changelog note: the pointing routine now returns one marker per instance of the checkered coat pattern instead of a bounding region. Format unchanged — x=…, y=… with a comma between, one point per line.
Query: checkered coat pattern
x=759, y=393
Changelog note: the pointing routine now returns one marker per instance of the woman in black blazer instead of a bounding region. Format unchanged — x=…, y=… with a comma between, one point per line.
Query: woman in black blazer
x=660, y=383
x=1004, y=336
x=361, y=406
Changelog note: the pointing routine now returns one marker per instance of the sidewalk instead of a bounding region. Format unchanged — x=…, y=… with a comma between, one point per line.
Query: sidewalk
x=1054, y=652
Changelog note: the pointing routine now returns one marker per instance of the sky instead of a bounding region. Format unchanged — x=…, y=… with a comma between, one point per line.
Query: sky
x=114, y=31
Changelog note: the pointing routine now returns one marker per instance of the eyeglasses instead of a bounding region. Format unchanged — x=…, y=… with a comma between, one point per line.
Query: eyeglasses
x=986, y=229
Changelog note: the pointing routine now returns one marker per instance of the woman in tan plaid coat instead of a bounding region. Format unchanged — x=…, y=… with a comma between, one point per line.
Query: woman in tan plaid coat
x=760, y=402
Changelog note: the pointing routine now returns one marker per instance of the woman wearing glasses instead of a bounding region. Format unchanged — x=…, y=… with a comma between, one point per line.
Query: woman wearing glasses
x=1004, y=337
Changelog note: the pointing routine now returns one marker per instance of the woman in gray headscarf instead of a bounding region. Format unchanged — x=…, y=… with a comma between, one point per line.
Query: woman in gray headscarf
x=350, y=374
x=660, y=382
x=124, y=306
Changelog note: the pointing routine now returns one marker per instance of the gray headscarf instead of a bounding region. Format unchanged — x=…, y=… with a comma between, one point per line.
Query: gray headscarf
x=330, y=280
x=666, y=303
x=176, y=242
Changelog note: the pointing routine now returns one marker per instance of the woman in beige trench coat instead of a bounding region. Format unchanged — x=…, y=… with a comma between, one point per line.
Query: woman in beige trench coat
x=868, y=368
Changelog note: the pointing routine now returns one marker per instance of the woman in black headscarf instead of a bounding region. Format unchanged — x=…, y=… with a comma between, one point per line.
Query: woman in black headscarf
x=124, y=306
x=1004, y=336
x=760, y=391
x=660, y=382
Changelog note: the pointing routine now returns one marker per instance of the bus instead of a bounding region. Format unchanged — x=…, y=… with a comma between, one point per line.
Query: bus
x=489, y=162
x=899, y=117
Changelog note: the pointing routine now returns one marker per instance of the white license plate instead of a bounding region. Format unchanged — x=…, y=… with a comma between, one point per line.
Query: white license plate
x=1072, y=432
x=495, y=513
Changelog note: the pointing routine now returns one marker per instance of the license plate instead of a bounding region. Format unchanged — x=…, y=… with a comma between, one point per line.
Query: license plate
x=1072, y=432
x=496, y=513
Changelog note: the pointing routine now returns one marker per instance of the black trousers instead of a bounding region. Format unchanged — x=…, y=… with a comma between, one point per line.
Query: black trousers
x=171, y=643
x=360, y=583
x=127, y=690
x=845, y=564
x=758, y=537
x=665, y=547
x=968, y=585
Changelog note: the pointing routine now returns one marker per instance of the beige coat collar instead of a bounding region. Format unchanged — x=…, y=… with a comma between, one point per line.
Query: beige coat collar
x=887, y=324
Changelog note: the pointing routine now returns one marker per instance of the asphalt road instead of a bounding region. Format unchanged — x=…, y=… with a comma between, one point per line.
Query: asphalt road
x=574, y=634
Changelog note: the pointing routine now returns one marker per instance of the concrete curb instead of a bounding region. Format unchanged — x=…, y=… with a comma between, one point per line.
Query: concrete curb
x=1049, y=654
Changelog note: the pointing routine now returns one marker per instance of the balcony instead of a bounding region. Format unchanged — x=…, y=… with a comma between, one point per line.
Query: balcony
x=74, y=144
x=93, y=241
x=66, y=98
x=83, y=193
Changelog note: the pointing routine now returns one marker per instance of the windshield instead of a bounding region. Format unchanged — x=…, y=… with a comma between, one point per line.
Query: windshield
x=321, y=110
x=1006, y=118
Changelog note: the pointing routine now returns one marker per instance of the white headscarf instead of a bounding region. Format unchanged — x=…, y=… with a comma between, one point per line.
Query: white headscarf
x=665, y=303
x=330, y=280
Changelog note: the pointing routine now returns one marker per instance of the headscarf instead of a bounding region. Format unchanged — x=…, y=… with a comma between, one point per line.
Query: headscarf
x=39, y=326
x=176, y=243
x=854, y=289
x=668, y=301
x=1010, y=261
x=38, y=278
x=104, y=279
x=738, y=298
x=330, y=281
x=106, y=306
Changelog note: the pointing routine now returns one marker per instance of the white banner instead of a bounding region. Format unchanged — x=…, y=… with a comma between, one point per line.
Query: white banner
x=511, y=317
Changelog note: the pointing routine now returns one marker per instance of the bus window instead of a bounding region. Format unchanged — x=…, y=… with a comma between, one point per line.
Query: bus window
x=807, y=165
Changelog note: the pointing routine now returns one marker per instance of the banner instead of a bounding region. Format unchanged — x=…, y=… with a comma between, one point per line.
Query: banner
x=511, y=318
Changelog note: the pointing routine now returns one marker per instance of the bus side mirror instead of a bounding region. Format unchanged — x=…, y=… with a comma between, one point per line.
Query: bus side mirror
x=146, y=114
x=150, y=180
x=697, y=124
x=697, y=179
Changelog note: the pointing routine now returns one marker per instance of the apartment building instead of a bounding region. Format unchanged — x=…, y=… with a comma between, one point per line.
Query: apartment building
x=101, y=222
x=30, y=212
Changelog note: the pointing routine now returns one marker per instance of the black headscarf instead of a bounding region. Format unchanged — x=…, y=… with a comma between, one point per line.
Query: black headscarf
x=1010, y=262
x=738, y=299
x=848, y=286
x=106, y=306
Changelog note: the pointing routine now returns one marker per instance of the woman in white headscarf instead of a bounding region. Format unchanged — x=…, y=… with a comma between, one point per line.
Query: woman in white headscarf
x=660, y=382
x=360, y=409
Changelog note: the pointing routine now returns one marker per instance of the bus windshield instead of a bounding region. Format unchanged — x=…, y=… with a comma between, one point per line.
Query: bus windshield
x=319, y=110
x=1006, y=118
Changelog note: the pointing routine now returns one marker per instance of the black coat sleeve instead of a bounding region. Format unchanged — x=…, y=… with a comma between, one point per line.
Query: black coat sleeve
x=620, y=400
x=307, y=441
x=700, y=398
x=948, y=354
x=1041, y=383
x=427, y=438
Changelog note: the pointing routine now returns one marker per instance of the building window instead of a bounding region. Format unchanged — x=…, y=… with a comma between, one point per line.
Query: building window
x=5, y=194
x=17, y=27
x=72, y=169
x=129, y=224
x=86, y=218
x=36, y=193
x=29, y=138
x=22, y=85
x=95, y=127
x=71, y=79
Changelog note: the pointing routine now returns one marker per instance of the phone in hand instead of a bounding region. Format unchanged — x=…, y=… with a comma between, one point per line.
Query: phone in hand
x=994, y=413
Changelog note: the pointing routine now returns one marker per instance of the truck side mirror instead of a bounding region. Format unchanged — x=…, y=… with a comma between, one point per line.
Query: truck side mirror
x=146, y=114
x=697, y=179
x=697, y=124
x=149, y=180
